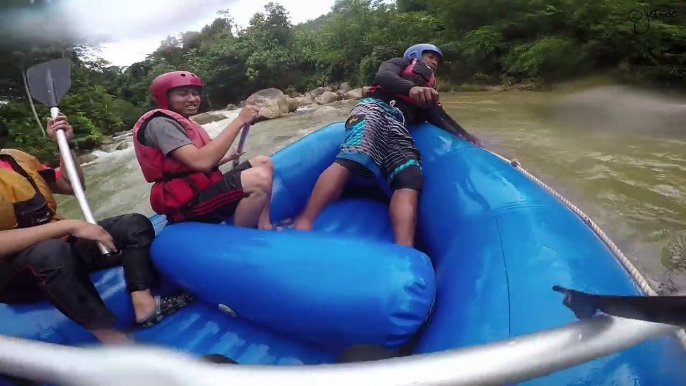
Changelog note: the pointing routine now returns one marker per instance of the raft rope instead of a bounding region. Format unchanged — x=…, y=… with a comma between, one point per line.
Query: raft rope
x=628, y=265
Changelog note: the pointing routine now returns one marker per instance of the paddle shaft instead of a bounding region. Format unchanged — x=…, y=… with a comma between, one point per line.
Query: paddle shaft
x=241, y=143
x=65, y=152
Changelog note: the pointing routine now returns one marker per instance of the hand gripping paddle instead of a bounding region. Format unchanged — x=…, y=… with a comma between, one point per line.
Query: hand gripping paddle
x=48, y=83
x=241, y=143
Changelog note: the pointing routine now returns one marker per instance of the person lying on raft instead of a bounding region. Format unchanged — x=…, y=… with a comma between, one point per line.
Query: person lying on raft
x=379, y=144
x=182, y=162
x=43, y=256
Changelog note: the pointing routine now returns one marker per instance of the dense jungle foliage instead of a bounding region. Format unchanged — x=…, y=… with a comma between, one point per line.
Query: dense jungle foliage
x=504, y=42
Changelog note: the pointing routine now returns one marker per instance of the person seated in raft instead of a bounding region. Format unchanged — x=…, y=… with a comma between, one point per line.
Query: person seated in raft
x=43, y=256
x=179, y=158
x=379, y=144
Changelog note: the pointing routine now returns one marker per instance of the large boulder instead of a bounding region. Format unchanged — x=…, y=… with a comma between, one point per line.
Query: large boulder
x=111, y=148
x=354, y=94
x=326, y=97
x=293, y=104
x=205, y=118
x=106, y=140
x=271, y=102
x=306, y=100
x=86, y=158
x=317, y=92
x=344, y=87
x=324, y=111
x=231, y=106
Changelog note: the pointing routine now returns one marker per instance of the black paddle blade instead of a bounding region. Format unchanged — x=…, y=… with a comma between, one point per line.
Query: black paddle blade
x=218, y=358
x=49, y=81
x=366, y=353
x=656, y=309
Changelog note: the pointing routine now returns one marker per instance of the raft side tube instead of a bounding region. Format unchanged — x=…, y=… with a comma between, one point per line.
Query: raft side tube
x=298, y=166
x=499, y=242
x=329, y=289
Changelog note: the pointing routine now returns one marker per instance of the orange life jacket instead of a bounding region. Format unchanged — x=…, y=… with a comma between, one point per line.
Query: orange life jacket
x=25, y=197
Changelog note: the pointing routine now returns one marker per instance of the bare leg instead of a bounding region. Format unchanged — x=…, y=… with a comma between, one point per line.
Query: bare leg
x=328, y=188
x=110, y=336
x=257, y=182
x=143, y=304
x=403, y=210
x=263, y=161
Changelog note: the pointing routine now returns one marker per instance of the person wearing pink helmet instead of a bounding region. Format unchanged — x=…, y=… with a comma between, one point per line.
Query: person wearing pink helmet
x=179, y=158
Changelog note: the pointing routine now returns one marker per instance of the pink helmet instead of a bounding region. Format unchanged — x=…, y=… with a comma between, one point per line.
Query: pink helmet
x=165, y=82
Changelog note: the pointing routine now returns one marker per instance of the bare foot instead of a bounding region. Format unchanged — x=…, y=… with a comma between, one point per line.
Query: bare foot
x=265, y=226
x=143, y=304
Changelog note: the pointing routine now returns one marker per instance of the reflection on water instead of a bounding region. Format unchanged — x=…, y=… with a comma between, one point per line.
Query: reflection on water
x=617, y=154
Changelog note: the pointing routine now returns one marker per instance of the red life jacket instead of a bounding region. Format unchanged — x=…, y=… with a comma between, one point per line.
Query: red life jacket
x=175, y=184
x=413, y=76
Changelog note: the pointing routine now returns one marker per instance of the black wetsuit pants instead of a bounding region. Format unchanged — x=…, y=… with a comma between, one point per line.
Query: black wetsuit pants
x=58, y=271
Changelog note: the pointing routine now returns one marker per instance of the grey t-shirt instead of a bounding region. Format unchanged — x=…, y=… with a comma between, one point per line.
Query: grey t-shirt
x=165, y=134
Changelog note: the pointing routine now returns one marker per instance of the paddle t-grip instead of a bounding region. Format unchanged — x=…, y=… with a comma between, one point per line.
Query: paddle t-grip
x=241, y=143
x=74, y=175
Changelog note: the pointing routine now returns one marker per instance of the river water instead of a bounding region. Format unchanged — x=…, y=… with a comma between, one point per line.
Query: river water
x=616, y=153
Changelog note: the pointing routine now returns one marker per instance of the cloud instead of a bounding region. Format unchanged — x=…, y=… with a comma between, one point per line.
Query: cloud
x=135, y=19
x=97, y=21
x=128, y=30
x=144, y=40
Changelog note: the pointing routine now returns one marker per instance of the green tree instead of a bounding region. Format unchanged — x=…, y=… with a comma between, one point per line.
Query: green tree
x=491, y=41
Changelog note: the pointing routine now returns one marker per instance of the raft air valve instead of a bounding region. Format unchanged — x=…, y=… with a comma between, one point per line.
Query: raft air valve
x=227, y=310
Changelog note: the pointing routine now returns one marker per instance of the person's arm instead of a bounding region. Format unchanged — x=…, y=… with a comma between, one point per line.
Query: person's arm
x=62, y=185
x=435, y=115
x=229, y=158
x=16, y=240
x=388, y=76
x=207, y=157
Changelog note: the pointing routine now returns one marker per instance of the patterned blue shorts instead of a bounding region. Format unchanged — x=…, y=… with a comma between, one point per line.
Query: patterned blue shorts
x=376, y=137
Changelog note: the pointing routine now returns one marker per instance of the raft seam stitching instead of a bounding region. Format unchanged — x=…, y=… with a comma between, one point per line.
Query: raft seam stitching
x=507, y=279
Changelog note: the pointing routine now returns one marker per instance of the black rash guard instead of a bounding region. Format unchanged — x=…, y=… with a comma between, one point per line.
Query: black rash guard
x=388, y=77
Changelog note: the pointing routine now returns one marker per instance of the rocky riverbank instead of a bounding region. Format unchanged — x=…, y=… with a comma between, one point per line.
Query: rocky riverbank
x=274, y=103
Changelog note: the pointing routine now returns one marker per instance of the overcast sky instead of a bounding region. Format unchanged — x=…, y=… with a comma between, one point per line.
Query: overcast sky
x=136, y=27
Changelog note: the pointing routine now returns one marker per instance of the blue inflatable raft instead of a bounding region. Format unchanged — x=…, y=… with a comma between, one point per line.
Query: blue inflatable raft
x=491, y=244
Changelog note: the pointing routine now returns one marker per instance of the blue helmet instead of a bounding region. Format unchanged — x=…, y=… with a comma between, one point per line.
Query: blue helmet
x=417, y=50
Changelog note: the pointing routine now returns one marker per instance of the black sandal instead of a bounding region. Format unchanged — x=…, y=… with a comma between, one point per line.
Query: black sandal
x=165, y=306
